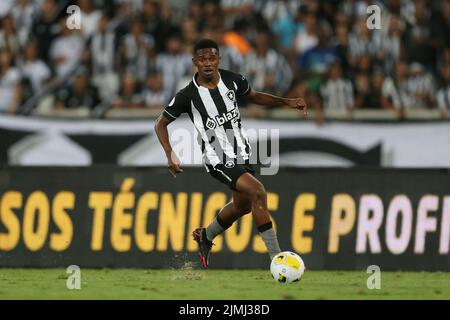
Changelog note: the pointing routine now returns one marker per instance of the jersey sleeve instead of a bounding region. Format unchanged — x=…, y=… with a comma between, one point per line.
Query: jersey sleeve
x=176, y=107
x=243, y=86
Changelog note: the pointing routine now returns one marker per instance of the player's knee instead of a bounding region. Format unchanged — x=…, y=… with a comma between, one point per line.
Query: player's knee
x=259, y=193
x=243, y=209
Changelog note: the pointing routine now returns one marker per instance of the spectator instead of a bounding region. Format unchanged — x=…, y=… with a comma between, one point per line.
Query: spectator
x=362, y=90
x=36, y=70
x=354, y=9
x=135, y=5
x=45, y=28
x=360, y=43
x=341, y=19
x=149, y=16
x=135, y=49
x=444, y=58
x=24, y=13
x=340, y=43
x=213, y=17
x=153, y=93
x=443, y=94
x=389, y=44
x=368, y=90
x=5, y=7
x=189, y=30
x=395, y=90
x=337, y=92
x=103, y=60
x=405, y=9
x=376, y=87
x=365, y=65
x=66, y=50
x=420, y=38
x=10, y=84
x=318, y=59
x=9, y=40
x=421, y=86
x=287, y=26
x=173, y=65
x=276, y=10
x=311, y=6
x=446, y=23
x=121, y=19
x=308, y=37
x=237, y=38
x=194, y=10
x=267, y=69
x=313, y=65
x=230, y=57
x=89, y=18
x=165, y=28
x=130, y=96
x=78, y=94
x=235, y=10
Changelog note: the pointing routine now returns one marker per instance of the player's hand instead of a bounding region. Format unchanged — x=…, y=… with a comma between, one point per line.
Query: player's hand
x=298, y=103
x=174, y=165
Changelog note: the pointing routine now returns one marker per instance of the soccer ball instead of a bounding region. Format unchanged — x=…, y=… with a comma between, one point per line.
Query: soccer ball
x=287, y=267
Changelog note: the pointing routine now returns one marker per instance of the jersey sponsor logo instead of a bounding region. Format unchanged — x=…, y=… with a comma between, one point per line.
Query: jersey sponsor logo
x=210, y=124
x=220, y=120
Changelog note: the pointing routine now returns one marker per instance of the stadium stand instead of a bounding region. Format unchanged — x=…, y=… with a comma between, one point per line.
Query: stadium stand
x=130, y=57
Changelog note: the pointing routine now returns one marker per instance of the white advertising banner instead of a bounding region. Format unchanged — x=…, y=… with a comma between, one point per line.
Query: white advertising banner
x=36, y=141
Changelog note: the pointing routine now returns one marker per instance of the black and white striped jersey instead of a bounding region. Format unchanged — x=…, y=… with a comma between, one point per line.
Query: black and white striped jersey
x=216, y=118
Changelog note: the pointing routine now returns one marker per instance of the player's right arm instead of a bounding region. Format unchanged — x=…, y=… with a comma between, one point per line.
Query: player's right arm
x=176, y=107
x=173, y=162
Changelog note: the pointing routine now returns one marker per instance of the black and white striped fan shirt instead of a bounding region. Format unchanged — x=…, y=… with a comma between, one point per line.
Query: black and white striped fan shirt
x=216, y=117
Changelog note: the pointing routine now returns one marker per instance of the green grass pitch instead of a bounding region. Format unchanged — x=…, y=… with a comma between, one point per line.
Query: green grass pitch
x=218, y=284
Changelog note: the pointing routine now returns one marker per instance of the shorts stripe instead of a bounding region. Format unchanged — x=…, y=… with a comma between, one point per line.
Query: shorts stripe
x=229, y=179
x=169, y=114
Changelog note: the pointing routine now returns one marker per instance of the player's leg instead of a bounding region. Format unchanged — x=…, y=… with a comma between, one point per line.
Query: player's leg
x=240, y=205
x=255, y=190
x=235, y=209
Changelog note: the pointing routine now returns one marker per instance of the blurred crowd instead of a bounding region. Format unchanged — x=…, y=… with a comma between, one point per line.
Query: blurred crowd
x=137, y=53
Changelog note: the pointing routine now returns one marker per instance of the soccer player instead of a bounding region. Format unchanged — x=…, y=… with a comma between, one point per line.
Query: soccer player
x=210, y=101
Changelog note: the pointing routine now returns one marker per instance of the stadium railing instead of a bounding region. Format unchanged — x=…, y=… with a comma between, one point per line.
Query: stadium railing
x=279, y=114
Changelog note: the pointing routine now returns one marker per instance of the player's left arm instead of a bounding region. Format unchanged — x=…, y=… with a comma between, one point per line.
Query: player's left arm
x=266, y=99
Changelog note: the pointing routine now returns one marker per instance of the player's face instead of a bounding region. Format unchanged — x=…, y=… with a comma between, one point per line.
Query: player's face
x=207, y=62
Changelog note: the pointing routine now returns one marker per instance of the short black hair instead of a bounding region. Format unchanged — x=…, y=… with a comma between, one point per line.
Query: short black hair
x=205, y=44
